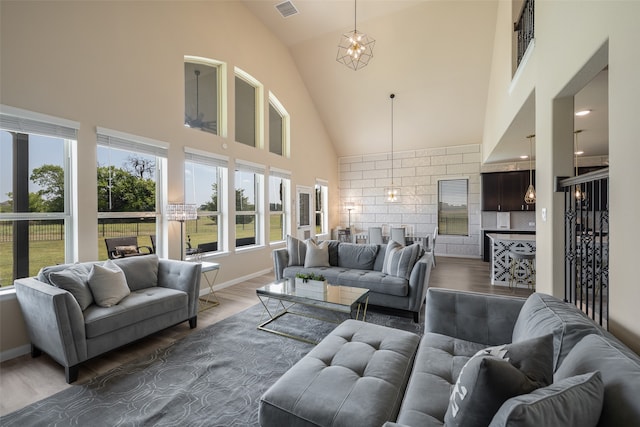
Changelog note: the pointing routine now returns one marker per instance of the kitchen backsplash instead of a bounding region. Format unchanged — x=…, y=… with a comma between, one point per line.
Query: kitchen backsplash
x=517, y=220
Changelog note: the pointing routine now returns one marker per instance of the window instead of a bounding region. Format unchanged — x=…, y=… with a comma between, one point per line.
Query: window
x=453, y=212
x=205, y=182
x=36, y=227
x=248, y=109
x=278, y=127
x=248, y=194
x=130, y=187
x=201, y=95
x=279, y=205
x=322, y=203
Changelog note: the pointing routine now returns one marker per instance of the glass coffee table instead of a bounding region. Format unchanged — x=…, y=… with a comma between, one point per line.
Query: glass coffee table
x=343, y=299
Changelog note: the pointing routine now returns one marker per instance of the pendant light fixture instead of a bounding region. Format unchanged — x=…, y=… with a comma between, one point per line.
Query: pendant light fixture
x=391, y=193
x=580, y=195
x=355, y=49
x=530, y=195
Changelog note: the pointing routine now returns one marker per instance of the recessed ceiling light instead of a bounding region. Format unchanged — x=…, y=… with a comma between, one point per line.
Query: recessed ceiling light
x=578, y=153
x=524, y=157
x=582, y=113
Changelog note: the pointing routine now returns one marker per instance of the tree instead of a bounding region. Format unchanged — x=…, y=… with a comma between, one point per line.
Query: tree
x=120, y=190
x=242, y=204
x=140, y=166
x=50, y=196
x=212, y=205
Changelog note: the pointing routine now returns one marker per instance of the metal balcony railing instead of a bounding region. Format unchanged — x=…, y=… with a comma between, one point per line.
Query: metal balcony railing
x=525, y=28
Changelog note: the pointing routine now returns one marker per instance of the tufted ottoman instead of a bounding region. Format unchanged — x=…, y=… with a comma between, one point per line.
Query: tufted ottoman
x=355, y=376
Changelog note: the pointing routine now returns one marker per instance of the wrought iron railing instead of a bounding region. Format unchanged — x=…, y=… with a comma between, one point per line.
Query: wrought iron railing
x=525, y=28
x=586, y=243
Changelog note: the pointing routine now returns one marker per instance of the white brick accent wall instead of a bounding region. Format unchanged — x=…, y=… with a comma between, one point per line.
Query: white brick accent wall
x=416, y=173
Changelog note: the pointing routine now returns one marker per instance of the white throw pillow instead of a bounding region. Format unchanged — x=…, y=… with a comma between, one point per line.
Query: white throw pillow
x=317, y=254
x=108, y=284
x=399, y=260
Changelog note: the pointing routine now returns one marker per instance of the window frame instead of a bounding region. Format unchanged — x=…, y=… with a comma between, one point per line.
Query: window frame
x=444, y=230
x=221, y=164
x=19, y=121
x=258, y=106
x=285, y=177
x=222, y=125
x=323, y=186
x=286, y=125
x=258, y=172
x=132, y=143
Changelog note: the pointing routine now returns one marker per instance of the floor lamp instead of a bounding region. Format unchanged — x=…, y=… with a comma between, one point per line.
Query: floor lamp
x=181, y=212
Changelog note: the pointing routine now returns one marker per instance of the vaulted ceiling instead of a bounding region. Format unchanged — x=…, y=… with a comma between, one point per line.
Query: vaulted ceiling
x=435, y=55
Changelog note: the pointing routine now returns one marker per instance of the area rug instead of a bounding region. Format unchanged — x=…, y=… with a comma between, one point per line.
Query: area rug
x=212, y=377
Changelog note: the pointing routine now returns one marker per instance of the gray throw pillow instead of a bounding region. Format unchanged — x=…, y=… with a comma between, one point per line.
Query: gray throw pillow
x=74, y=280
x=297, y=250
x=141, y=271
x=317, y=254
x=571, y=402
x=399, y=260
x=496, y=374
x=108, y=284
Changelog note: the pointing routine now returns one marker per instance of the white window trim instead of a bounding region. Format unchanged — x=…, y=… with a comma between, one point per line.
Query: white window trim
x=286, y=124
x=325, y=203
x=259, y=171
x=221, y=163
x=286, y=203
x=223, y=130
x=30, y=122
x=248, y=78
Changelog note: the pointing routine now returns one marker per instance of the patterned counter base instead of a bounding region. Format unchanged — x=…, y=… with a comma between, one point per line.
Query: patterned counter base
x=501, y=244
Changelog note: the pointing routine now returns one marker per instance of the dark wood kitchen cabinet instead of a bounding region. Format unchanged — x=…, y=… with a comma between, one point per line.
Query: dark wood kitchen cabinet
x=504, y=191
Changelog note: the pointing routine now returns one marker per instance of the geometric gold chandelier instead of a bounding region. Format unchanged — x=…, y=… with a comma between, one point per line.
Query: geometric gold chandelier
x=355, y=49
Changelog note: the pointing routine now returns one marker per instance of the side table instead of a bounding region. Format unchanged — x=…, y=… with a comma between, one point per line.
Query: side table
x=210, y=273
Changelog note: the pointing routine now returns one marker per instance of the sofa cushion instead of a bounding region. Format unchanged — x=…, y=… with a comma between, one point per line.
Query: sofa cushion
x=620, y=370
x=438, y=363
x=544, y=314
x=361, y=257
x=138, y=306
x=317, y=254
x=333, y=252
x=356, y=375
x=399, y=260
x=379, y=262
x=571, y=402
x=297, y=250
x=374, y=281
x=74, y=280
x=495, y=374
x=141, y=271
x=108, y=284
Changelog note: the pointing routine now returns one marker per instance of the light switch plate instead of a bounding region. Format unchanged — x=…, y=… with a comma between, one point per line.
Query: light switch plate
x=543, y=212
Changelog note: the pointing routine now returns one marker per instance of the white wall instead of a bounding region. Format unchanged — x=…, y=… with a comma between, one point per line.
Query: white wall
x=119, y=65
x=416, y=173
x=574, y=40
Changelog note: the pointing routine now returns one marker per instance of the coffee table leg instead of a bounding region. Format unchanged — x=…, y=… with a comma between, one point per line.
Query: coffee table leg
x=364, y=311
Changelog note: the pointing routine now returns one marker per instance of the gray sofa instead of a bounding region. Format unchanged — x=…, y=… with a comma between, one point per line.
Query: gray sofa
x=360, y=266
x=71, y=330
x=369, y=375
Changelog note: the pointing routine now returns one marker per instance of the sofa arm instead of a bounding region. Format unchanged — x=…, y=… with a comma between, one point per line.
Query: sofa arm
x=419, y=282
x=54, y=320
x=481, y=318
x=280, y=261
x=183, y=276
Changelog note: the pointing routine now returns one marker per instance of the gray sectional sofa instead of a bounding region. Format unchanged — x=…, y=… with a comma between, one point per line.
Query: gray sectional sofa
x=361, y=266
x=549, y=365
x=65, y=321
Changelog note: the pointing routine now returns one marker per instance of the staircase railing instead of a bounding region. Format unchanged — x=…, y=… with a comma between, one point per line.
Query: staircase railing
x=586, y=242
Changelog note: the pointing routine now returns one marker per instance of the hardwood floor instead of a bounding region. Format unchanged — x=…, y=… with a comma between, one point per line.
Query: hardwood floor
x=25, y=380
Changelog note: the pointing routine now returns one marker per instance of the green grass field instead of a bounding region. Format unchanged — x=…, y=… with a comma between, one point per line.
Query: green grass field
x=49, y=252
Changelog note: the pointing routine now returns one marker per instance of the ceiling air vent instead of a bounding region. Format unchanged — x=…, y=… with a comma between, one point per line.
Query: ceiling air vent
x=286, y=9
